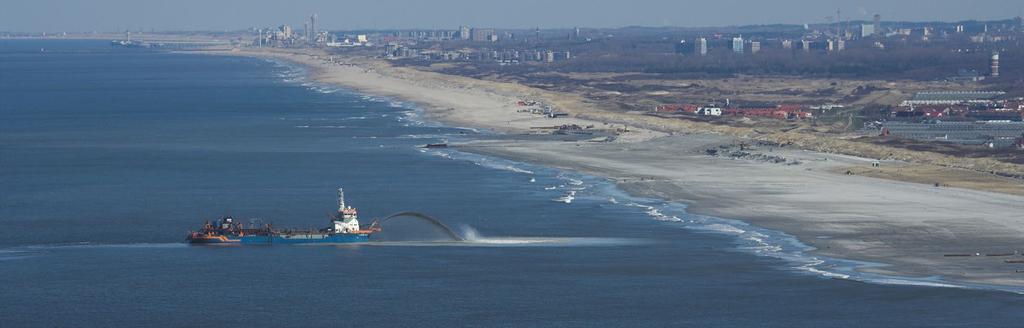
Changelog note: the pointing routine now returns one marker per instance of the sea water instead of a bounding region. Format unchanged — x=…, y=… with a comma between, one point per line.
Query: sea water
x=109, y=156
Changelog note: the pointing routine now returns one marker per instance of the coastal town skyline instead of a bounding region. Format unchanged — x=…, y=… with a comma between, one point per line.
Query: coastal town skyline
x=55, y=16
x=650, y=163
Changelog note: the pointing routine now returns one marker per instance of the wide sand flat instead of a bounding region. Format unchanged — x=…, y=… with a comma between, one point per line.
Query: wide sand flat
x=909, y=226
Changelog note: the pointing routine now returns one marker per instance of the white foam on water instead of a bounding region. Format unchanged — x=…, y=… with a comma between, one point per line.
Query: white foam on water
x=518, y=170
x=515, y=242
x=321, y=126
x=440, y=154
x=497, y=164
x=651, y=211
x=567, y=197
x=297, y=74
x=473, y=238
x=474, y=130
x=325, y=90
x=748, y=238
x=723, y=228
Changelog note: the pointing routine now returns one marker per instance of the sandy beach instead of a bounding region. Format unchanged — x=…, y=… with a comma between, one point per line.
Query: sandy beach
x=915, y=229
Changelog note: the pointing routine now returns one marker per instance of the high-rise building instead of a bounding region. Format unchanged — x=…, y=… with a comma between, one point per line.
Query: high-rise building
x=464, y=32
x=737, y=45
x=312, y=27
x=701, y=47
x=787, y=44
x=878, y=23
x=576, y=33
x=755, y=47
x=836, y=45
x=481, y=34
x=286, y=31
x=867, y=30
x=995, y=64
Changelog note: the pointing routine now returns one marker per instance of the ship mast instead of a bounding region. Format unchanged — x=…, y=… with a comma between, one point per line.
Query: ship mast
x=341, y=200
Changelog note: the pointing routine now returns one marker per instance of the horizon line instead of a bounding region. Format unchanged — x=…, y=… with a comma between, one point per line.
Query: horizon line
x=235, y=30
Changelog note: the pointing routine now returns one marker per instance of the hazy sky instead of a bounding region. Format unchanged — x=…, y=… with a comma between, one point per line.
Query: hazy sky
x=118, y=15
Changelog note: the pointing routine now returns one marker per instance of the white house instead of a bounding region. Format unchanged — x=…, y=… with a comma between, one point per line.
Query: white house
x=709, y=111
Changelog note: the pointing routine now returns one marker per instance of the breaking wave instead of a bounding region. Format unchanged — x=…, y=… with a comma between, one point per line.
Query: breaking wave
x=747, y=237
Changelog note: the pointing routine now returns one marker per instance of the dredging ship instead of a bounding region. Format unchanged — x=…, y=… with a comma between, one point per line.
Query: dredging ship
x=344, y=228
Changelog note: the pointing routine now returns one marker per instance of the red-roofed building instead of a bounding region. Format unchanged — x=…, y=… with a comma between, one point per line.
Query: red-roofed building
x=677, y=108
x=778, y=112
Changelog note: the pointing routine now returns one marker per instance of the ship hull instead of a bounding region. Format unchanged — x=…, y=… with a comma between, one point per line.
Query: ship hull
x=283, y=239
x=290, y=239
x=214, y=240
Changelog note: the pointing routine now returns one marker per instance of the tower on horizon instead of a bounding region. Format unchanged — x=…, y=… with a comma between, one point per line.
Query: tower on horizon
x=312, y=28
x=878, y=24
x=995, y=64
x=737, y=45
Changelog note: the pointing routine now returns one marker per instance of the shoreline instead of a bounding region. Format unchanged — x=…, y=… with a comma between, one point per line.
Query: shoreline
x=646, y=164
x=747, y=237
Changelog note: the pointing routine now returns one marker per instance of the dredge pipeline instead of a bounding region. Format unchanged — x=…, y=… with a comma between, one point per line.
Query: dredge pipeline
x=429, y=219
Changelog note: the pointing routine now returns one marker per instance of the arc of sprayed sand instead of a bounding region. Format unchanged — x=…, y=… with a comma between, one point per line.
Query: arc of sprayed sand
x=437, y=223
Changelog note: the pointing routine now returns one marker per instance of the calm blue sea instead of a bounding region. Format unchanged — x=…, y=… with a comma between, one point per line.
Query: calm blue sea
x=109, y=156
